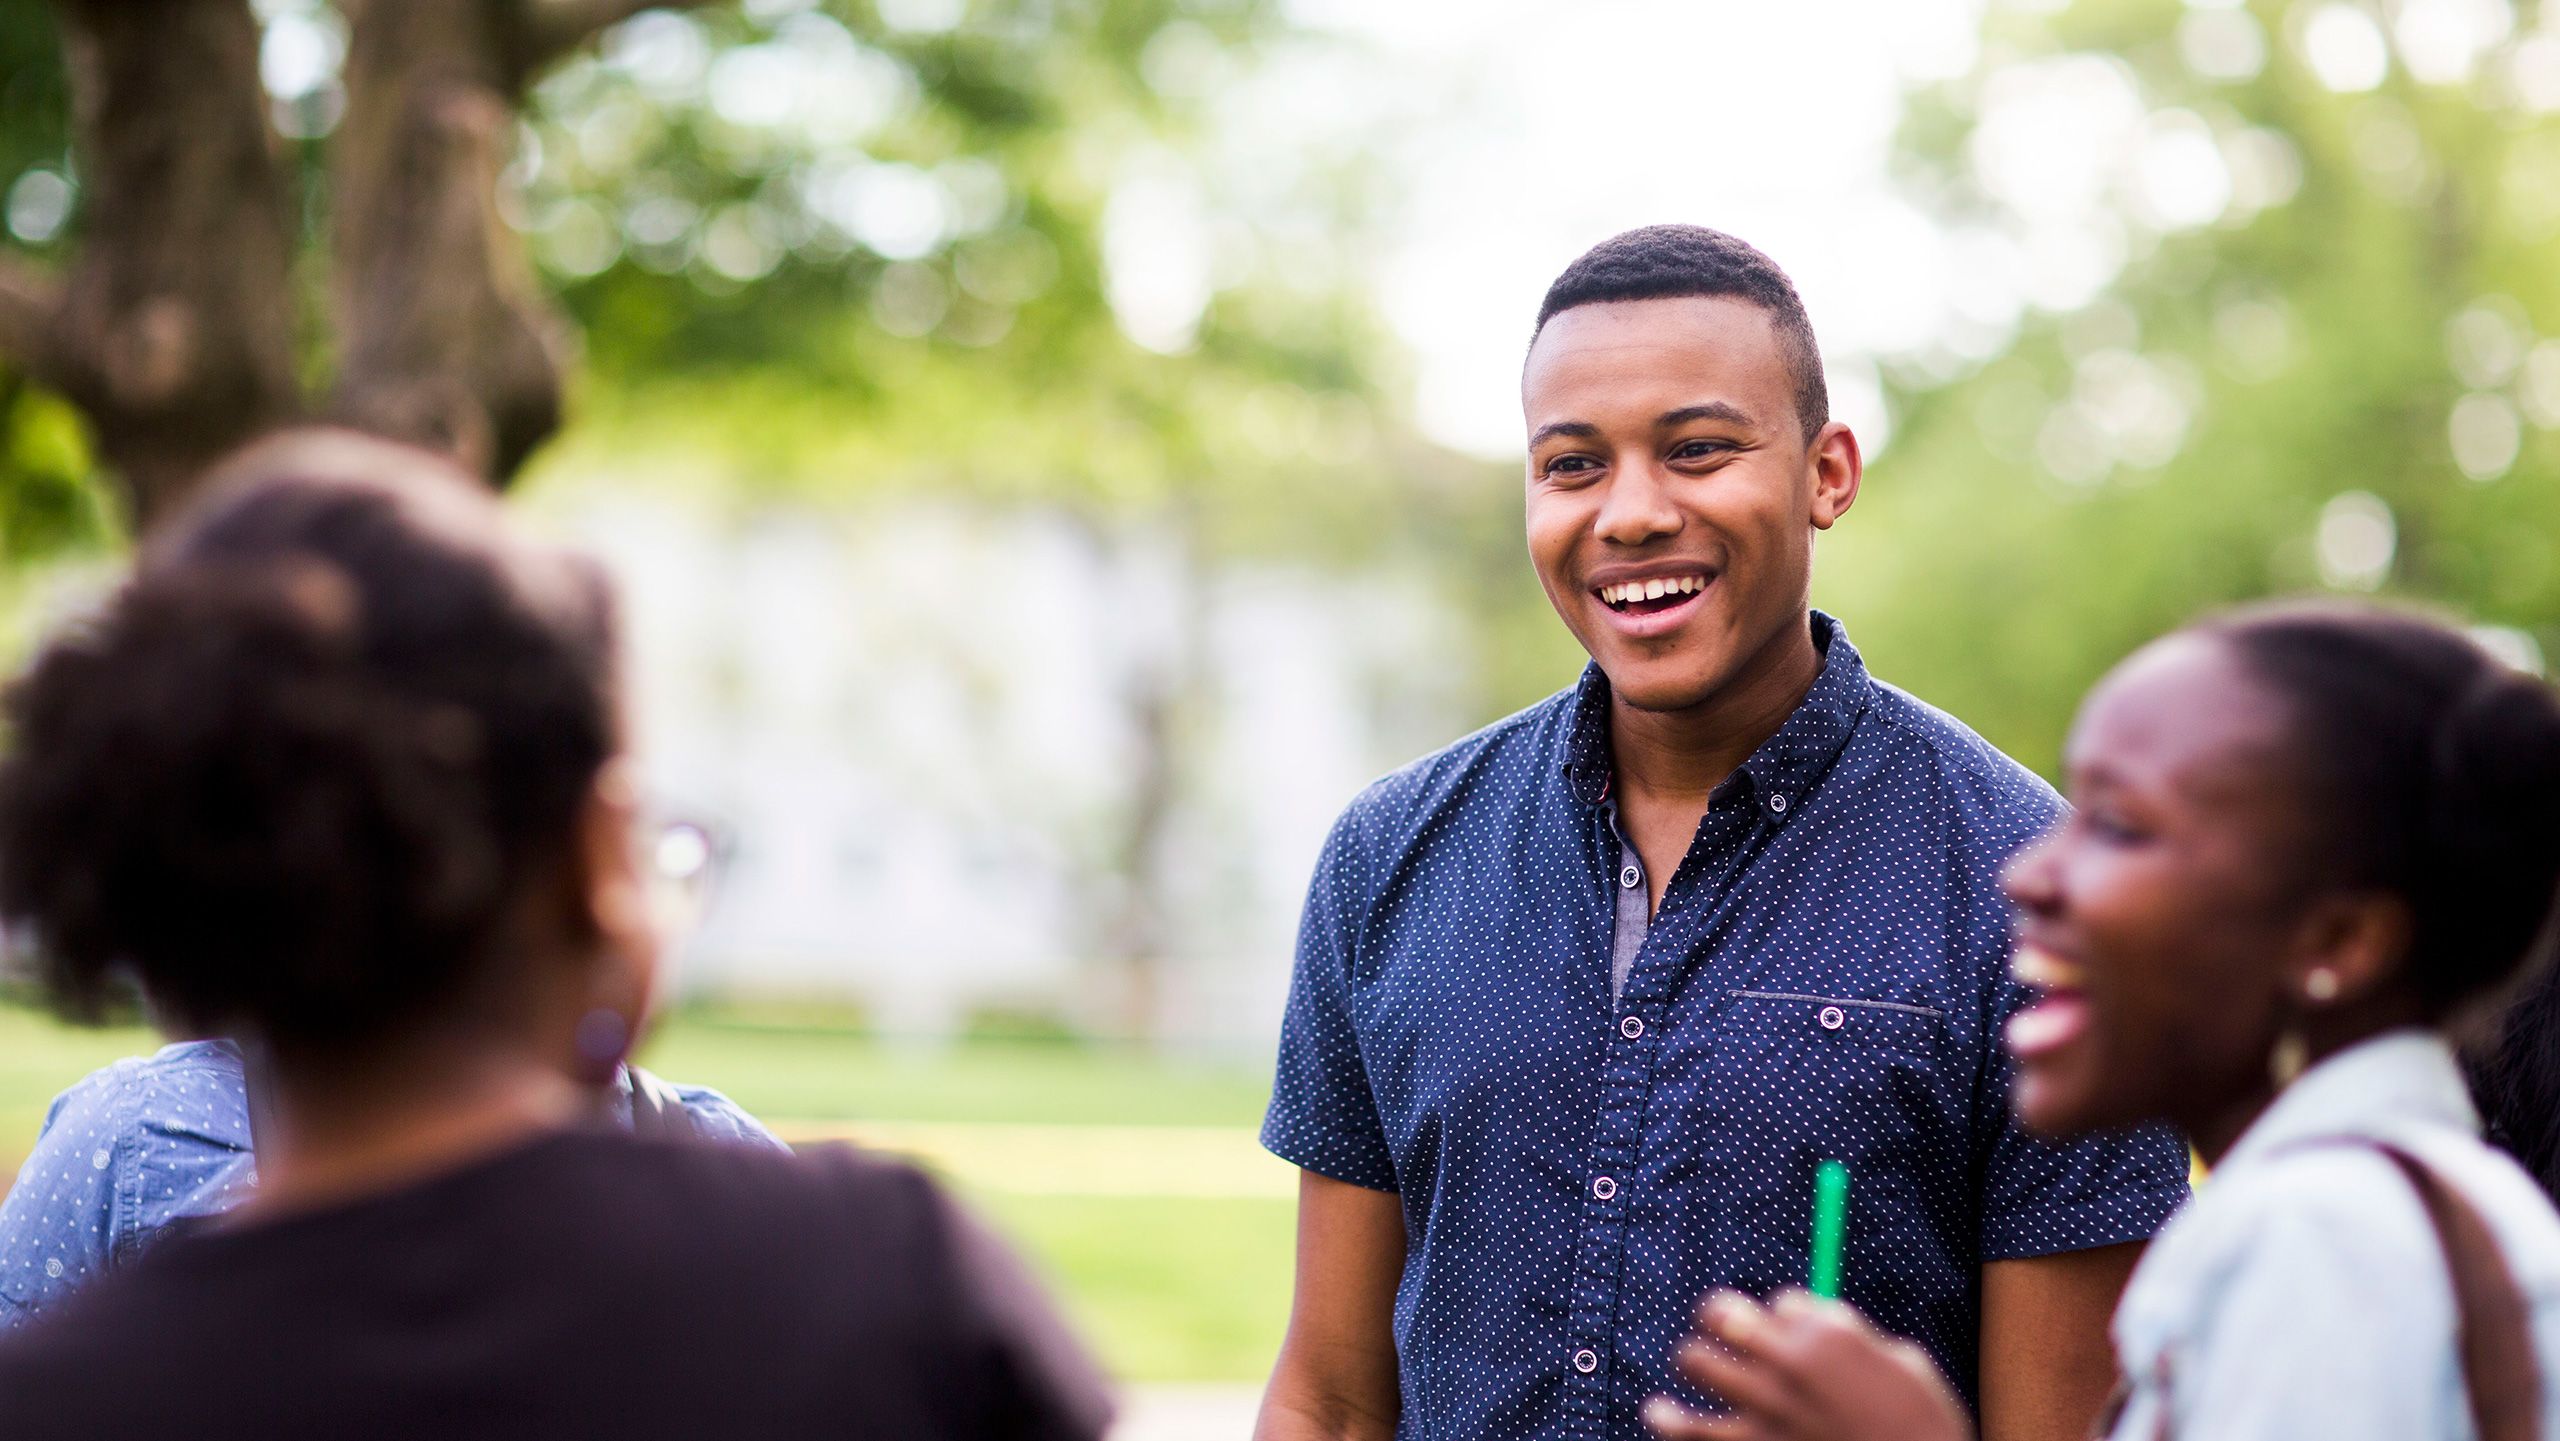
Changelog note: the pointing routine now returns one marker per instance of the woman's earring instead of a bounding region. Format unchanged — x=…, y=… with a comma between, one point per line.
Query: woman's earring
x=2291, y=1055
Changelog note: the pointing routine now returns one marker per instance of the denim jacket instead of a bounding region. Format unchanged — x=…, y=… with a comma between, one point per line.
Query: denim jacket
x=2303, y=1295
x=150, y=1141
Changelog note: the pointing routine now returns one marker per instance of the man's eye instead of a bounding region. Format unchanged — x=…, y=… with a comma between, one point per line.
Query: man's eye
x=1570, y=465
x=1698, y=449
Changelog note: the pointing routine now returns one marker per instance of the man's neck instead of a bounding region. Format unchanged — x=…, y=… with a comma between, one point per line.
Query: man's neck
x=1684, y=755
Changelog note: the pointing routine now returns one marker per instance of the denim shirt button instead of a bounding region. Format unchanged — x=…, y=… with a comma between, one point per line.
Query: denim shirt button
x=1604, y=1187
x=1631, y=1027
x=1832, y=1018
x=1631, y=878
x=1586, y=1360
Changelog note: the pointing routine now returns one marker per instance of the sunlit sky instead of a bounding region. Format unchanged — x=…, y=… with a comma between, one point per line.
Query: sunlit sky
x=1570, y=123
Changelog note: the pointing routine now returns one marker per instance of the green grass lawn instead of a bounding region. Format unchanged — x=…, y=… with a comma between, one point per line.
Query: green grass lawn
x=1129, y=1179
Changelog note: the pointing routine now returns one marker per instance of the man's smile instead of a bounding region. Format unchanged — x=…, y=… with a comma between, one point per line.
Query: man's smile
x=1649, y=601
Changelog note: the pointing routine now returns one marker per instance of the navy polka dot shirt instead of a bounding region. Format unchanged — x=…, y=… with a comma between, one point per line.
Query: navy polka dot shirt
x=1826, y=978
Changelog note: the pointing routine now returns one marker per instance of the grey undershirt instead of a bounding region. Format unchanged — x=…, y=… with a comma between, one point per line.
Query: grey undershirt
x=1635, y=909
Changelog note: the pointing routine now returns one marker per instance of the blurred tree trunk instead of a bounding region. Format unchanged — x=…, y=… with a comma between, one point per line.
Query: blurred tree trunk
x=174, y=326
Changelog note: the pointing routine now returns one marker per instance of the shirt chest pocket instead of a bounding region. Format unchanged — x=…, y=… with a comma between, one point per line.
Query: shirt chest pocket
x=1790, y=1080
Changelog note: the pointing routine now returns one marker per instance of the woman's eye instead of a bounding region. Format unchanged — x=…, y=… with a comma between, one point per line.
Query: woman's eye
x=2109, y=825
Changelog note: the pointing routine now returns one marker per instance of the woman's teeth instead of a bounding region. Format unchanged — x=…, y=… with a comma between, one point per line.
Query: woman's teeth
x=1636, y=590
x=2042, y=969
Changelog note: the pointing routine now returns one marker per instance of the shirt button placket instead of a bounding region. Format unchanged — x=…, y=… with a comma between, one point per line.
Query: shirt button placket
x=1595, y=1298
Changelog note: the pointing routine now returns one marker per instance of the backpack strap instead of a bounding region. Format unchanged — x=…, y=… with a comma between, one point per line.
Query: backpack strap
x=656, y=1110
x=2493, y=1327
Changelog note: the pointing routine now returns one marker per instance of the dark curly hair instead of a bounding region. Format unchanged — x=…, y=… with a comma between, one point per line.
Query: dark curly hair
x=1660, y=262
x=296, y=776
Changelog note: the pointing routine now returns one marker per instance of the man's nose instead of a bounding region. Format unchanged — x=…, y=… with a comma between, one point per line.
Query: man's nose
x=1638, y=506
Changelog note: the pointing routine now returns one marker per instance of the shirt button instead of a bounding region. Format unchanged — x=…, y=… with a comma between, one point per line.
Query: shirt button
x=1832, y=1018
x=1603, y=1187
x=1778, y=805
x=1631, y=878
x=1631, y=1027
x=1586, y=1360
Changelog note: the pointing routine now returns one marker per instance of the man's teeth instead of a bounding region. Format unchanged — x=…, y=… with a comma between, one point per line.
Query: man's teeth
x=1635, y=590
x=2034, y=966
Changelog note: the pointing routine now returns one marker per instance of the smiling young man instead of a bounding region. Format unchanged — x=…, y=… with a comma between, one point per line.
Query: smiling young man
x=1584, y=999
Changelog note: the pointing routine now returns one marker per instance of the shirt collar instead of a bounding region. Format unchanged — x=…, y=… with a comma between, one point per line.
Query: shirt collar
x=2375, y=1088
x=1786, y=764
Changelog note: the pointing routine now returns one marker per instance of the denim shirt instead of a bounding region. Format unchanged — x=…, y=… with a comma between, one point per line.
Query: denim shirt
x=144, y=1143
x=2303, y=1296
x=1826, y=978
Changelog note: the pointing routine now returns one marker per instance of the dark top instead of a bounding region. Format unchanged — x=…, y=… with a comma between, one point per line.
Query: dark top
x=1826, y=978
x=580, y=1285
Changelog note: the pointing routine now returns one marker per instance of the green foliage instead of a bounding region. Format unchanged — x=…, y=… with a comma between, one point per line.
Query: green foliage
x=2368, y=304
x=807, y=249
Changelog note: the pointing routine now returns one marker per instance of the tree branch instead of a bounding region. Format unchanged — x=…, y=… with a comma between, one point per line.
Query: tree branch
x=445, y=341
x=28, y=300
x=174, y=331
x=553, y=28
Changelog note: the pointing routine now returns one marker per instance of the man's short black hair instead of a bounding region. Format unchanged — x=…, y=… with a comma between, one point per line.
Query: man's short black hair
x=1663, y=261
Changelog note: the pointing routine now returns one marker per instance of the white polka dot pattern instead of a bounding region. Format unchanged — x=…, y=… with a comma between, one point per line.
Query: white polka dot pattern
x=1451, y=1037
x=150, y=1142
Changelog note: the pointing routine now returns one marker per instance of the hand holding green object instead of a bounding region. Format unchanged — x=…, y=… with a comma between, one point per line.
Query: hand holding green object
x=1830, y=1227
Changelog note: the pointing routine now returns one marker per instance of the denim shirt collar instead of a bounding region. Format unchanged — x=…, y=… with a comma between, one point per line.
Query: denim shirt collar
x=2386, y=1086
x=1784, y=767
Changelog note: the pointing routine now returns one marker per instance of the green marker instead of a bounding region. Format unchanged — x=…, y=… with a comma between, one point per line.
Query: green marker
x=1830, y=1227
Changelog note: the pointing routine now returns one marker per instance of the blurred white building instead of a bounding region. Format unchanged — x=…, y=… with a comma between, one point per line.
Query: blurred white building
x=970, y=759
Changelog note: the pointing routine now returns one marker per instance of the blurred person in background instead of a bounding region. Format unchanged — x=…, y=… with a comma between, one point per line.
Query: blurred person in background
x=2305, y=839
x=149, y=1143
x=339, y=775
x=1583, y=1000
x=2514, y=1064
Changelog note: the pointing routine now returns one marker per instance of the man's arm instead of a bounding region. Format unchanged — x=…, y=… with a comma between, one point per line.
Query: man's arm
x=1336, y=1377
x=2047, y=1364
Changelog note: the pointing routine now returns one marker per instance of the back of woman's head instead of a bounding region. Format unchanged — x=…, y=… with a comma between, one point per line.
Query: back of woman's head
x=297, y=777
x=2431, y=772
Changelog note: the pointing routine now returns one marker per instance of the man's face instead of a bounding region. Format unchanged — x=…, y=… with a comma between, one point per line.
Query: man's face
x=1672, y=495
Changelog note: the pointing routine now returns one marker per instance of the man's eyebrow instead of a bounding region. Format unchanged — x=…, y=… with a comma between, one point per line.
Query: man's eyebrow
x=1712, y=410
x=1579, y=429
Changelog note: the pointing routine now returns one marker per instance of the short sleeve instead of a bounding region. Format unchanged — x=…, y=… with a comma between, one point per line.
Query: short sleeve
x=1323, y=1114
x=57, y=1225
x=717, y=1118
x=2040, y=1197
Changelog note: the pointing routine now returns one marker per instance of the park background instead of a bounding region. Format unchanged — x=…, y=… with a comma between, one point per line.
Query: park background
x=1058, y=450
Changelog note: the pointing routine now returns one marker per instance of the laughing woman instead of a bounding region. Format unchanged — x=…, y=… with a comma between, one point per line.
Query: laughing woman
x=2304, y=841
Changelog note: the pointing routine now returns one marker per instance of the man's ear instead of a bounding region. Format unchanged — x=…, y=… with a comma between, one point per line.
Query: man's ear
x=1837, y=468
